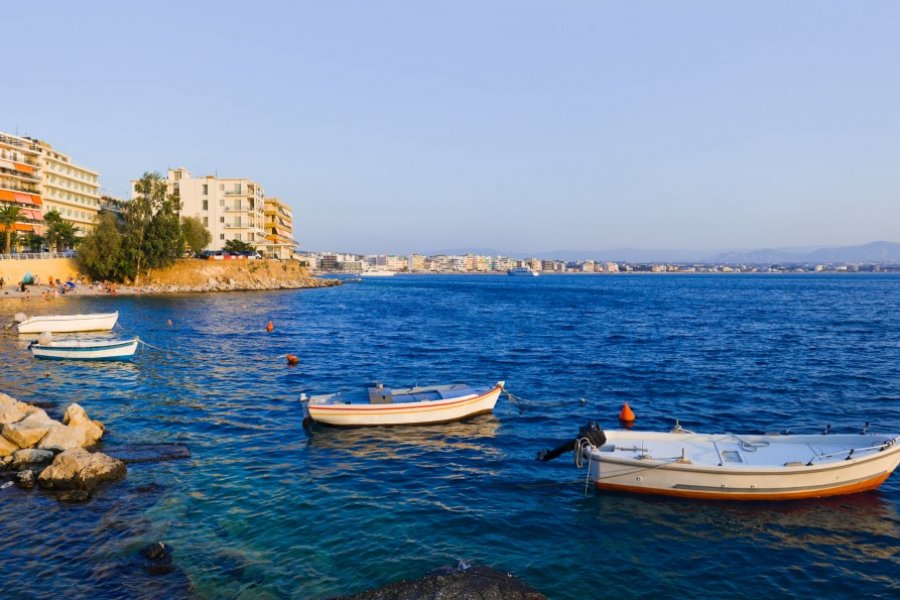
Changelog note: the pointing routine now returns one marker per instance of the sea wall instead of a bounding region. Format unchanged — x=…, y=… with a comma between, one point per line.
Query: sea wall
x=58, y=268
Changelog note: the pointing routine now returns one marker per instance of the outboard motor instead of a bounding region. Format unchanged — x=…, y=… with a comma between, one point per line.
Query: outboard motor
x=591, y=433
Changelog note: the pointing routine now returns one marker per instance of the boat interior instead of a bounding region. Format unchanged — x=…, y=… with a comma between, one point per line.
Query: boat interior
x=378, y=394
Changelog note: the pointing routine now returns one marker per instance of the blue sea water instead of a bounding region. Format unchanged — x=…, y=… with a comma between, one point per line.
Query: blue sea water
x=265, y=510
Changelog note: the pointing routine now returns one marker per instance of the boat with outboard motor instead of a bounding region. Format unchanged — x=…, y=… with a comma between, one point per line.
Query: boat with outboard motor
x=732, y=466
x=66, y=323
x=417, y=405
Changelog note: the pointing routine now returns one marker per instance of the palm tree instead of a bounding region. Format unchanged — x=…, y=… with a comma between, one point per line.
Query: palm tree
x=60, y=233
x=9, y=214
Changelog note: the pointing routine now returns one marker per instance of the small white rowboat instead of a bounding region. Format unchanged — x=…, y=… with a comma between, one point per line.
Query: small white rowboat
x=402, y=406
x=68, y=323
x=86, y=350
x=737, y=467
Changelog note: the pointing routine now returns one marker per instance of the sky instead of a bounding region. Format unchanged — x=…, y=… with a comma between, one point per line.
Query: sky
x=525, y=126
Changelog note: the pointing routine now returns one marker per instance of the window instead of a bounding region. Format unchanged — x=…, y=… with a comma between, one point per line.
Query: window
x=221, y=236
x=221, y=219
x=206, y=221
x=205, y=203
x=237, y=236
x=205, y=190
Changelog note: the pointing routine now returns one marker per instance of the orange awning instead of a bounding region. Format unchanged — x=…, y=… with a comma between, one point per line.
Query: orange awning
x=19, y=227
x=24, y=168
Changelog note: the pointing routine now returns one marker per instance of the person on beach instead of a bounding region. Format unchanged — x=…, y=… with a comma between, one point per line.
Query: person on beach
x=2, y=281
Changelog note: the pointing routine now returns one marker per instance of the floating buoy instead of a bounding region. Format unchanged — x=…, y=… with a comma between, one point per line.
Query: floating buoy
x=292, y=360
x=626, y=415
x=270, y=327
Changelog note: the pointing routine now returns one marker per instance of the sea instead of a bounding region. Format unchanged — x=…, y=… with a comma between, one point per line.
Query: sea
x=266, y=509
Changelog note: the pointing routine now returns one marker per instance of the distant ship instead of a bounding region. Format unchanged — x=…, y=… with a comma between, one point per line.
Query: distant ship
x=522, y=272
x=378, y=273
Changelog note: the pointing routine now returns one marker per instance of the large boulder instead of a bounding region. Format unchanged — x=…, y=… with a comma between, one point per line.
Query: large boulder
x=25, y=457
x=63, y=437
x=28, y=432
x=11, y=410
x=6, y=447
x=77, y=417
x=79, y=469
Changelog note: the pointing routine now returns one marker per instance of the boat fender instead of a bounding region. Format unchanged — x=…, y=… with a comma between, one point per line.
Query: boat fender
x=291, y=359
x=20, y=317
x=45, y=338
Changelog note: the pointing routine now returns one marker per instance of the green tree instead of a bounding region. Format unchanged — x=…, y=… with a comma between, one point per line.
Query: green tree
x=152, y=229
x=239, y=246
x=99, y=253
x=9, y=214
x=34, y=242
x=195, y=234
x=59, y=232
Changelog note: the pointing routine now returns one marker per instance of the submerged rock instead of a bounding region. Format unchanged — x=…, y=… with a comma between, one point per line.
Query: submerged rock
x=25, y=479
x=79, y=469
x=138, y=453
x=461, y=583
x=157, y=558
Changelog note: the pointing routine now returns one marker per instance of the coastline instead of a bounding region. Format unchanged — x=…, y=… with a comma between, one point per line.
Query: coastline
x=186, y=276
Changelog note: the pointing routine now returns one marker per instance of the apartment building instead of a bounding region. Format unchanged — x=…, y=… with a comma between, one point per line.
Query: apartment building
x=20, y=184
x=70, y=189
x=232, y=209
x=279, y=224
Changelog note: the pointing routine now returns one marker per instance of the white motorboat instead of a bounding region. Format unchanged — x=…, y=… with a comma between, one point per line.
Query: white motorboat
x=419, y=405
x=378, y=273
x=522, y=272
x=85, y=349
x=730, y=466
x=68, y=323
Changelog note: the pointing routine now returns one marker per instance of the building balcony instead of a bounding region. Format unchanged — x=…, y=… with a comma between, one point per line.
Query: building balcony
x=12, y=186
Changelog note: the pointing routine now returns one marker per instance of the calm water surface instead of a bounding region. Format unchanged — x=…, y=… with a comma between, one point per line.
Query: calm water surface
x=264, y=510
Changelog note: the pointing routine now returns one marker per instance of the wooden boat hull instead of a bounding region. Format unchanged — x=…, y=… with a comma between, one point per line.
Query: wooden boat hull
x=405, y=413
x=105, y=352
x=861, y=471
x=69, y=323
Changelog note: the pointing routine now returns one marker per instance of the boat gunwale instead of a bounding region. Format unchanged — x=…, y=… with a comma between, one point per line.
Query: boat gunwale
x=77, y=317
x=393, y=407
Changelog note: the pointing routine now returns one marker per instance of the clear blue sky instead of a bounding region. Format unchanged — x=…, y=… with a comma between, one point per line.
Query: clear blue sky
x=522, y=125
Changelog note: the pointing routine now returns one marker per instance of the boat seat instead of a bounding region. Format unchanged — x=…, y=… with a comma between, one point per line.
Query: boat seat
x=380, y=395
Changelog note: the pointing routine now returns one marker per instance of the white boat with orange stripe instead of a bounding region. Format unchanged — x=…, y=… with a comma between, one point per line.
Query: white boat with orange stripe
x=735, y=467
x=418, y=405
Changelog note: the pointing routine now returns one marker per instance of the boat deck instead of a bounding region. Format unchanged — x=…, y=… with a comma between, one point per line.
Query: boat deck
x=400, y=395
x=739, y=450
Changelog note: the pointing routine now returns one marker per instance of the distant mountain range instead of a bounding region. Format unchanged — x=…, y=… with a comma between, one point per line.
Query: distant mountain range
x=874, y=252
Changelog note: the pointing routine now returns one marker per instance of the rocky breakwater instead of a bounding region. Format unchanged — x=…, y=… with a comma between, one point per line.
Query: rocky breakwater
x=192, y=275
x=35, y=449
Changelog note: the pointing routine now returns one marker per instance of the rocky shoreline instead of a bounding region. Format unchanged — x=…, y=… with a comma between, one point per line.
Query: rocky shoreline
x=55, y=456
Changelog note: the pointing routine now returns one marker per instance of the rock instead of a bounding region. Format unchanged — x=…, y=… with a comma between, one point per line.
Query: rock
x=158, y=558
x=28, y=432
x=77, y=417
x=139, y=453
x=23, y=458
x=74, y=496
x=460, y=583
x=79, y=469
x=7, y=447
x=63, y=437
x=25, y=479
x=11, y=410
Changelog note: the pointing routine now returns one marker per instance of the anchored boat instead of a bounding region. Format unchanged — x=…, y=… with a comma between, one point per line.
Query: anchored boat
x=418, y=405
x=85, y=349
x=729, y=466
x=67, y=323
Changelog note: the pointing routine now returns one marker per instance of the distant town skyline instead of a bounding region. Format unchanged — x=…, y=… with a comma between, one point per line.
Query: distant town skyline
x=401, y=127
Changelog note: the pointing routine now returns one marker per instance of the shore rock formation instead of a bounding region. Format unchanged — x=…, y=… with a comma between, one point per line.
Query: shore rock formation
x=42, y=449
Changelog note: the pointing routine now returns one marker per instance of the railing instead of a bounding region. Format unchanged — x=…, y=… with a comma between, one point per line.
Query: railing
x=7, y=186
x=37, y=255
x=17, y=173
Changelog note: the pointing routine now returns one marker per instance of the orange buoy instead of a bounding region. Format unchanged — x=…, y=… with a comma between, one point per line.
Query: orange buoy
x=292, y=360
x=626, y=415
x=270, y=327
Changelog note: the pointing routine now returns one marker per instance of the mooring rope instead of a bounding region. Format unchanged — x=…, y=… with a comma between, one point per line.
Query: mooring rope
x=522, y=404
